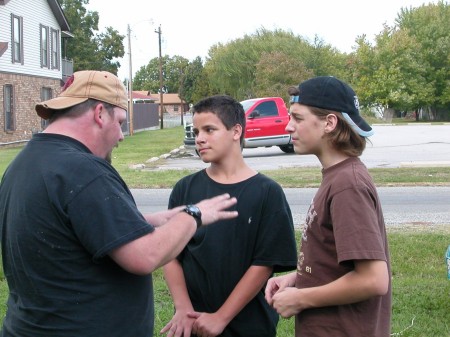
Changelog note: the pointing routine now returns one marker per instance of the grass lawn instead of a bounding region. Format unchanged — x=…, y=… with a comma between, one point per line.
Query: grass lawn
x=421, y=290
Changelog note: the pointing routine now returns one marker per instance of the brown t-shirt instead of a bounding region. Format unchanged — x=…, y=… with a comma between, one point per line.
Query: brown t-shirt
x=344, y=223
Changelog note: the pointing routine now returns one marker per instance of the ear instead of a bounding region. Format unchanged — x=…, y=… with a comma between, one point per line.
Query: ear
x=99, y=111
x=331, y=121
x=237, y=131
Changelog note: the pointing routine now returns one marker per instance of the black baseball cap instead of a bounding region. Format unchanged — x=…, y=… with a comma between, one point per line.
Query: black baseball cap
x=327, y=92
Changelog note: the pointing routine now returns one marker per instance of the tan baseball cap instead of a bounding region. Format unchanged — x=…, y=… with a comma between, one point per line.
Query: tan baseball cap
x=82, y=85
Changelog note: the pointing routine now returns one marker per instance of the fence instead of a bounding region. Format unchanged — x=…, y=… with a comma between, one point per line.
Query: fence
x=146, y=117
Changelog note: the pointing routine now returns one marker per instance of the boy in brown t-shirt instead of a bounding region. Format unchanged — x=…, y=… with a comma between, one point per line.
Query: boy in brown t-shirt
x=342, y=285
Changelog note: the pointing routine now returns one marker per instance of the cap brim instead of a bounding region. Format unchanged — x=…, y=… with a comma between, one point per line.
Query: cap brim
x=45, y=109
x=359, y=125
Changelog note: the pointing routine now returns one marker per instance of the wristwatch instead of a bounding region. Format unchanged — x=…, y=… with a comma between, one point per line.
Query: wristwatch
x=195, y=212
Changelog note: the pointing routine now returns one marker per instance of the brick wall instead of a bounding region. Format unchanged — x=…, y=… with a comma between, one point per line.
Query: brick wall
x=27, y=92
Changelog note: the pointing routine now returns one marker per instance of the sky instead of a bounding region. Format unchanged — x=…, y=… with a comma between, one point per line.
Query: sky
x=190, y=27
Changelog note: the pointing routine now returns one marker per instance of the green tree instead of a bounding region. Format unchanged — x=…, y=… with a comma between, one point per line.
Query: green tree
x=429, y=26
x=88, y=48
x=266, y=62
x=193, y=82
x=402, y=71
x=276, y=71
x=391, y=74
x=147, y=77
x=173, y=70
x=408, y=68
x=364, y=64
x=201, y=88
x=324, y=60
x=232, y=67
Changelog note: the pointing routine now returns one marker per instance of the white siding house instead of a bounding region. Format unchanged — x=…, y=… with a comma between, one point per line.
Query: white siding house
x=31, y=65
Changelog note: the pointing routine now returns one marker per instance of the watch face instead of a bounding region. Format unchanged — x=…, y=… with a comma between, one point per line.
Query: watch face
x=194, y=210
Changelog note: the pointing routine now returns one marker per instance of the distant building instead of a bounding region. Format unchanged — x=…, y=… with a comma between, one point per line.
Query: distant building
x=172, y=103
x=143, y=97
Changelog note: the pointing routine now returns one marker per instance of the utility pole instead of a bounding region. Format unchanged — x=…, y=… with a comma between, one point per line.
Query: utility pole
x=130, y=86
x=161, y=84
x=181, y=100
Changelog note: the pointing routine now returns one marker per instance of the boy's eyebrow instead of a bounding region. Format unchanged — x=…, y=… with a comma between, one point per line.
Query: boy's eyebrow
x=206, y=126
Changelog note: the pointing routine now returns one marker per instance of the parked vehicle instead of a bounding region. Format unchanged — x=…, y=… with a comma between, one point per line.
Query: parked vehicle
x=267, y=118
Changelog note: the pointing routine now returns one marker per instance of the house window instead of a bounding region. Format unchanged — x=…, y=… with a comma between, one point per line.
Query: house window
x=8, y=107
x=46, y=94
x=55, y=49
x=45, y=55
x=17, y=39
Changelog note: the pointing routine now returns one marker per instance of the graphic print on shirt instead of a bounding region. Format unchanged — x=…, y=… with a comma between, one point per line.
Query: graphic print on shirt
x=301, y=258
x=310, y=216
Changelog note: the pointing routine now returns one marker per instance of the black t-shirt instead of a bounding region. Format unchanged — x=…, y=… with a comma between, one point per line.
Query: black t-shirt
x=62, y=210
x=219, y=254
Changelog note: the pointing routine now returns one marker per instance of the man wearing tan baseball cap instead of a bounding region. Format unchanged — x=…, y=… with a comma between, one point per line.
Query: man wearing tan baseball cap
x=77, y=253
x=80, y=87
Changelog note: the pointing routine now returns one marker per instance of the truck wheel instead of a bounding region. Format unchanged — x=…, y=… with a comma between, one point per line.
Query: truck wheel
x=287, y=148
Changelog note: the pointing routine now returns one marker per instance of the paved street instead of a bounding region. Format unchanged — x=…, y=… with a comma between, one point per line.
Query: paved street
x=390, y=146
x=423, y=205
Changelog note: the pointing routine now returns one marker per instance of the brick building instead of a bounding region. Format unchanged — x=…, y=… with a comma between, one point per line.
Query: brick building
x=31, y=65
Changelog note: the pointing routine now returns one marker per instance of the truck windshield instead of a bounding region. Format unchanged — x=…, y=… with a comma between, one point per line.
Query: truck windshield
x=247, y=104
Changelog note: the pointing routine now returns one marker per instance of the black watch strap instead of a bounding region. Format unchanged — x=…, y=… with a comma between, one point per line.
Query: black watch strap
x=195, y=212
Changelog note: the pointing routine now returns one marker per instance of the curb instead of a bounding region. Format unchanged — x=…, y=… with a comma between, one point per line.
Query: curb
x=177, y=152
x=425, y=164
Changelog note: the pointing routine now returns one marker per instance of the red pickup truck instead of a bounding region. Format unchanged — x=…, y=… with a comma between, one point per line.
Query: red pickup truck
x=267, y=118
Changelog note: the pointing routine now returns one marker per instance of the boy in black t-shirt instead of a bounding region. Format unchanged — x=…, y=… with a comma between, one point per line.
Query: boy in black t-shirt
x=217, y=282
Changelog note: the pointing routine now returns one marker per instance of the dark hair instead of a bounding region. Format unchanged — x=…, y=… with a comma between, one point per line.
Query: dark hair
x=343, y=137
x=79, y=109
x=293, y=91
x=226, y=108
